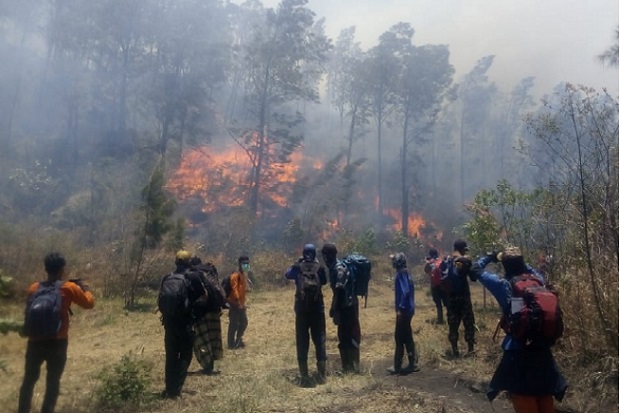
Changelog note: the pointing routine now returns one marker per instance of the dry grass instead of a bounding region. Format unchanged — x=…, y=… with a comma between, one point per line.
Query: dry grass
x=262, y=377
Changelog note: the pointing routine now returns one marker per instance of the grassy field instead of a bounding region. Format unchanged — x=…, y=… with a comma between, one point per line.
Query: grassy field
x=263, y=376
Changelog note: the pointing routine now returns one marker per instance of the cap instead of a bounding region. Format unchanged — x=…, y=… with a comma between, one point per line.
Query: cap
x=460, y=245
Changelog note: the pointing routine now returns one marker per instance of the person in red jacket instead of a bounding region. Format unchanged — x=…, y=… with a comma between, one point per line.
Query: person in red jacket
x=51, y=350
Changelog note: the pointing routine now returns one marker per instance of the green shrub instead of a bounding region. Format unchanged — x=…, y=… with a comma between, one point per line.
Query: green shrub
x=125, y=383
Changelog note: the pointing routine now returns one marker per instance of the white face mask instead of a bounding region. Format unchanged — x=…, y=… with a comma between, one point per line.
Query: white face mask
x=245, y=267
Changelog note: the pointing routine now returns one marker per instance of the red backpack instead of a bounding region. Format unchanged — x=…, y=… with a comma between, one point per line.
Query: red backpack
x=435, y=272
x=535, y=316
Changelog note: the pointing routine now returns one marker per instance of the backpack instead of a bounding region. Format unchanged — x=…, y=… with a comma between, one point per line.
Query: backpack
x=43, y=315
x=173, y=301
x=309, y=281
x=435, y=272
x=360, y=269
x=535, y=315
x=454, y=276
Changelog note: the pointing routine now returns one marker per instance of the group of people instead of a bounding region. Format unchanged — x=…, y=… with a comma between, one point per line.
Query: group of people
x=197, y=331
x=528, y=373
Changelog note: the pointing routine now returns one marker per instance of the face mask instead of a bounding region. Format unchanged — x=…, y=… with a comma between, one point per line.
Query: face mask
x=245, y=267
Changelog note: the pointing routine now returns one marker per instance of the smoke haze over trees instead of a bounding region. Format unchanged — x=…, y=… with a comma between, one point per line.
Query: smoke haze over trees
x=313, y=136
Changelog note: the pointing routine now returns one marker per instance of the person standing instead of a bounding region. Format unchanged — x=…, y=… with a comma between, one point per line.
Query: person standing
x=432, y=269
x=455, y=269
x=528, y=372
x=179, y=291
x=50, y=349
x=207, y=318
x=309, y=277
x=344, y=309
x=237, y=314
x=404, y=304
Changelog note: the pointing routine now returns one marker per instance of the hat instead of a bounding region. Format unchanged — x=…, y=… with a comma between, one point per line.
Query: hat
x=432, y=253
x=460, y=245
x=182, y=257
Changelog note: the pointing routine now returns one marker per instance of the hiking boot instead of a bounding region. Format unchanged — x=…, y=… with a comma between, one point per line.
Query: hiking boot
x=455, y=350
x=470, y=347
x=240, y=344
x=393, y=370
x=304, y=379
x=321, y=366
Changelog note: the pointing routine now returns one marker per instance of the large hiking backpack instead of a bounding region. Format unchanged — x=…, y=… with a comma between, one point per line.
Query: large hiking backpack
x=535, y=315
x=360, y=269
x=173, y=301
x=43, y=315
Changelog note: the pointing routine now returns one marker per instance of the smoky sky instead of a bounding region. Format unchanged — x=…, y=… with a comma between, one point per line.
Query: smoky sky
x=553, y=40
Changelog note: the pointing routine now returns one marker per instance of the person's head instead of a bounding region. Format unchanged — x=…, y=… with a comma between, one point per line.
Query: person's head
x=461, y=246
x=244, y=263
x=54, y=265
x=183, y=258
x=399, y=260
x=329, y=253
x=432, y=254
x=512, y=260
x=195, y=261
x=309, y=252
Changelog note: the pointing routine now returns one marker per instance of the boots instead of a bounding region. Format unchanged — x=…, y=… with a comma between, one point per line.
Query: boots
x=304, y=379
x=321, y=367
x=412, y=355
x=354, y=360
x=470, y=349
x=440, y=317
x=455, y=349
x=398, y=361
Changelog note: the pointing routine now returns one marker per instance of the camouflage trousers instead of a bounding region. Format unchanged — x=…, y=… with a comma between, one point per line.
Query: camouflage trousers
x=460, y=309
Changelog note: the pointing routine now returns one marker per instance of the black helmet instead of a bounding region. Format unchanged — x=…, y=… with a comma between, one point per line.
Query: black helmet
x=399, y=260
x=309, y=252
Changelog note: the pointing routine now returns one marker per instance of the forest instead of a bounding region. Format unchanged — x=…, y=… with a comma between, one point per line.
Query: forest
x=132, y=128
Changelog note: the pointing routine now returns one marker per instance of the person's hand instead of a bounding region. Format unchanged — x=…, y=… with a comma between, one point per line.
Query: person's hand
x=80, y=283
x=493, y=256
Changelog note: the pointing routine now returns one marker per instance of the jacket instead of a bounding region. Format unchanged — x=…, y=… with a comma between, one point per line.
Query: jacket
x=70, y=293
x=238, y=289
x=404, y=292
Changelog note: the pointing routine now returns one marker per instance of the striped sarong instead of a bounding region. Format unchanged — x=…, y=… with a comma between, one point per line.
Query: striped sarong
x=208, y=339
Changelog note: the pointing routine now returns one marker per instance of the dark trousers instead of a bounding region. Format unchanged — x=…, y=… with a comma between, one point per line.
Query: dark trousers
x=440, y=300
x=349, y=331
x=54, y=353
x=310, y=324
x=403, y=336
x=460, y=309
x=237, y=323
x=179, y=342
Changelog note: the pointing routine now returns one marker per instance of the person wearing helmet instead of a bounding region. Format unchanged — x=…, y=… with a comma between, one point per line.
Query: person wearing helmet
x=344, y=309
x=183, y=288
x=309, y=277
x=404, y=303
x=237, y=314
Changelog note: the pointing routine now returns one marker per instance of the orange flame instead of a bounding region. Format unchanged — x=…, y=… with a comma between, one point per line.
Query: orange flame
x=415, y=222
x=221, y=178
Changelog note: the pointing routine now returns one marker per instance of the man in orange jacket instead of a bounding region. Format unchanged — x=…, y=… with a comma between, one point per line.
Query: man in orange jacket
x=51, y=349
x=237, y=315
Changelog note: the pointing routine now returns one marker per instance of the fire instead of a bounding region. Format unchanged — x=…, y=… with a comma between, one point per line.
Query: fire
x=221, y=177
x=415, y=222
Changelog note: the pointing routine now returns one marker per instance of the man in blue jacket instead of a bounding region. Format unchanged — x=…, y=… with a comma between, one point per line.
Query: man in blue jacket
x=404, y=304
x=309, y=277
x=528, y=373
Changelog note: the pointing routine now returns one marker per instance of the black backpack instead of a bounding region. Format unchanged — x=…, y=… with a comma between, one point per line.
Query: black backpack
x=360, y=270
x=43, y=315
x=173, y=301
x=226, y=286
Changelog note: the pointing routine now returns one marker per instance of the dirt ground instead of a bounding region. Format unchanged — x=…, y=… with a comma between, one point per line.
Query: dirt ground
x=263, y=376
